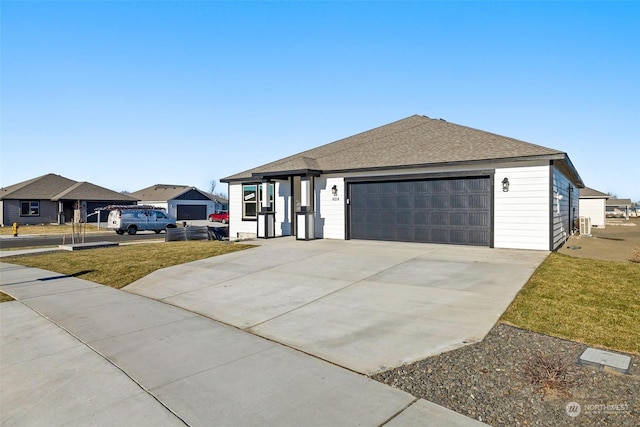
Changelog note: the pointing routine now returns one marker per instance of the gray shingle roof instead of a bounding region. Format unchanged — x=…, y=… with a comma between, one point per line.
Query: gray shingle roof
x=92, y=192
x=165, y=192
x=590, y=193
x=56, y=187
x=160, y=192
x=411, y=142
x=619, y=202
x=42, y=187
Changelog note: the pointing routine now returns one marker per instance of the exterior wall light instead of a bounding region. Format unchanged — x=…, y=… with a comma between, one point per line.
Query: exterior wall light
x=334, y=190
x=505, y=185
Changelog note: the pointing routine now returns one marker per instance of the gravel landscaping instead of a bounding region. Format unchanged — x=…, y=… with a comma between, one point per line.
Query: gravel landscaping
x=494, y=381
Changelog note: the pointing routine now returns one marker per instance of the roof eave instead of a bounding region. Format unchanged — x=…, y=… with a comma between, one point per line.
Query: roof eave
x=207, y=195
x=287, y=173
x=283, y=174
x=302, y=172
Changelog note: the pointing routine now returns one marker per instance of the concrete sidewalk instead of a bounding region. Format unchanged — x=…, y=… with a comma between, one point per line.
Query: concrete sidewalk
x=77, y=353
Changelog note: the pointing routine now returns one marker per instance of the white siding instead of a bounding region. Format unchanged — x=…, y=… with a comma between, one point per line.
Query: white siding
x=521, y=215
x=330, y=209
x=236, y=224
x=594, y=209
x=282, y=200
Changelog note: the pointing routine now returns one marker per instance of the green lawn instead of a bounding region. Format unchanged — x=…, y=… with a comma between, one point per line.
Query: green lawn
x=585, y=300
x=122, y=265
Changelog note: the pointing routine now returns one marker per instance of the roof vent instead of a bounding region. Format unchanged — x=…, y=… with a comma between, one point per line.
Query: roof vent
x=441, y=119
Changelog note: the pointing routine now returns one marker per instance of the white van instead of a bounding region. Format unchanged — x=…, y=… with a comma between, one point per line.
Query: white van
x=134, y=219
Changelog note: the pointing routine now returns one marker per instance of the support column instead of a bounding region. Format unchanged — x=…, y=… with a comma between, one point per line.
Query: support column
x=61, y=219
x=265, y=196
x=266, y=215
x=305, y=191
x=305, y=216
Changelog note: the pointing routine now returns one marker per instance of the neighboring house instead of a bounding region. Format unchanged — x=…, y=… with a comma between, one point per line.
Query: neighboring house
x=181, y=201
x=55, y=199
x=414, y=180
x=593, y=205
x=618, y=208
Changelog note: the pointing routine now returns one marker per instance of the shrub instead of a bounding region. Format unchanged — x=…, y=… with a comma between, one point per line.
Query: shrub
x=548, y=373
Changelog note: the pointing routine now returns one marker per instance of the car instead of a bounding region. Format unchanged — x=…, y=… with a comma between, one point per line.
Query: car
x=131, y=219
x=220, y=216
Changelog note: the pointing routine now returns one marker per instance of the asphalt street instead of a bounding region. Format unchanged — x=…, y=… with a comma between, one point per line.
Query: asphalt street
x=25, y=240
x=10, y=242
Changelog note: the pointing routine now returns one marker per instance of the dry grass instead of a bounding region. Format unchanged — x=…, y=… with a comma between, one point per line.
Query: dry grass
x=48, y=229
x=122, y=265
x=585, y=300
x=4, y=297
x=635, y=257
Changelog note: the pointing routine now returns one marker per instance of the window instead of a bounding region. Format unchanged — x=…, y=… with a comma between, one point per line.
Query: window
x=30, y=208
x=252, y=199
x=249, y=201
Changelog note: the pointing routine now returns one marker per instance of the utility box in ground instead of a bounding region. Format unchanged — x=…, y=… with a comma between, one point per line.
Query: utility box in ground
x=305, y=224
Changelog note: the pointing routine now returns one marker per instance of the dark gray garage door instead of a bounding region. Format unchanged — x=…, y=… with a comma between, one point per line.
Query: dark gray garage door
x=192, y=211
x=451, y=210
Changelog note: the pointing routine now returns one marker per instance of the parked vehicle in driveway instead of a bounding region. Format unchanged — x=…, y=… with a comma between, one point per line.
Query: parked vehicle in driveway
x=220, y=216
x=131, y=220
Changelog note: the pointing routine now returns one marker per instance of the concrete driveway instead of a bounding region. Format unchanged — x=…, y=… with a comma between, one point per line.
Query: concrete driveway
x=364, y=305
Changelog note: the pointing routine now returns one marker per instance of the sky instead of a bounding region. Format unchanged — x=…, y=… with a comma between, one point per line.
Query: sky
x=130, y=94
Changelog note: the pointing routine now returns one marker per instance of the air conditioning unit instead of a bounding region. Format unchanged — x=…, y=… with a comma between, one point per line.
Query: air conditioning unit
x=585, y=226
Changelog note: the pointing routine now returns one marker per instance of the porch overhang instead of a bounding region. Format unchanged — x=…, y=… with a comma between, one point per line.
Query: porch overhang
x=285, y=174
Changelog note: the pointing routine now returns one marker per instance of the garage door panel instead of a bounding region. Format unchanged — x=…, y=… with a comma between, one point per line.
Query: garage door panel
x=192, y=212
x=374, y=203
x=441, y=201
x=373, y=217
x=438, y=211
x=405, y=218
x=459, y=218
x=478, y=219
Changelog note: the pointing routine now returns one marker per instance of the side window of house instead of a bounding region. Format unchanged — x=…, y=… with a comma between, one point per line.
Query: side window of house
x=252, y=199
x=31, y=208
x=249, y=201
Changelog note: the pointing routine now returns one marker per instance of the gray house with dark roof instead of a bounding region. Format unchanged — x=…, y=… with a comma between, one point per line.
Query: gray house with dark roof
x=53, y=198
x=414, y=180
x=593, y=205
x=181, y=201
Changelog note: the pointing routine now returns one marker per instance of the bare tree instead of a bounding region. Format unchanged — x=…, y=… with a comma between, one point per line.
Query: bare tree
x=212, y=186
